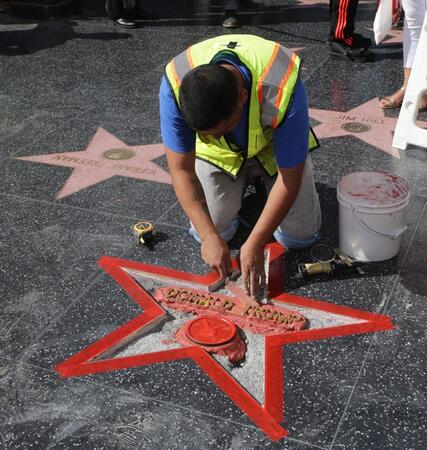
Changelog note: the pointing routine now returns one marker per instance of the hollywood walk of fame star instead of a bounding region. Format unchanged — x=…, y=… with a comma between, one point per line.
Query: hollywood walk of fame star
x=366, y=122
x=393, y=37
x=105, y=157
x=268, y=417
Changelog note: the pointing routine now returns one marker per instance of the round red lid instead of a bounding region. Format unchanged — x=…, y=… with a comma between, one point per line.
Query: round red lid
x=211, y=330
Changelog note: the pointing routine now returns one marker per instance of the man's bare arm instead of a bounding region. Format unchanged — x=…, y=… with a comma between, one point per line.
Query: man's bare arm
x=190, y=195
x=279, y=202
x=189, y=190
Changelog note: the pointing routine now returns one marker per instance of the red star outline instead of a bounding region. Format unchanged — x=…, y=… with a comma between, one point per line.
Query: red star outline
x=267, y=417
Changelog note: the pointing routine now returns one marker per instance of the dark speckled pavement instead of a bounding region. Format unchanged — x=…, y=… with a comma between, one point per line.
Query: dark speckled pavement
x=64, y=80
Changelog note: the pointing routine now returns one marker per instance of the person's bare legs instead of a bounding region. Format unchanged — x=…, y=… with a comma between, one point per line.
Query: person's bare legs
x=395, y=100
x=415, y=11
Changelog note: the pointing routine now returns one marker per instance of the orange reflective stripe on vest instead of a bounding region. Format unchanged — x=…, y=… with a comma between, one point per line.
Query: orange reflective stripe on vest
x=266, y=72
x=272, y=81
x=282, y=85
x=181, y=65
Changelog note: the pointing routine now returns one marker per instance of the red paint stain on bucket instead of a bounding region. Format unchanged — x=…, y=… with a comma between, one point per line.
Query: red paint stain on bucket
x=372, y=214
x=377, y=187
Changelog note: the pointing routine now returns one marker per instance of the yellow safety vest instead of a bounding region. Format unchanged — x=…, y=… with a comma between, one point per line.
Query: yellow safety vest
x=274, y=71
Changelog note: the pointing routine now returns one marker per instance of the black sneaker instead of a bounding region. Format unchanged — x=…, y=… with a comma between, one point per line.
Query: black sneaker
x=125, y=23
x=249, y=4
x=360, y=41
x=339, y=49
x=230, y=19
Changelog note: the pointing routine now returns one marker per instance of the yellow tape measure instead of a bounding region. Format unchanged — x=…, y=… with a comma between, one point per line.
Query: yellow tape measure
x=144, y=232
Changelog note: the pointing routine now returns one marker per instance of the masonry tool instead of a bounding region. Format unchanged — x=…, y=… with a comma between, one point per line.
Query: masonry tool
x=220, y=284
x=264, y=289
x=144, y=232
x=236, y=290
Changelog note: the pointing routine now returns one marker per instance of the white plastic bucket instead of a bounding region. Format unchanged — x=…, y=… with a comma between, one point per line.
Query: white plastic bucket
x=372, y=214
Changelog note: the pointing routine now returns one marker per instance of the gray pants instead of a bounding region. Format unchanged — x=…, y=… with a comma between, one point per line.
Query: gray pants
x=224, y=198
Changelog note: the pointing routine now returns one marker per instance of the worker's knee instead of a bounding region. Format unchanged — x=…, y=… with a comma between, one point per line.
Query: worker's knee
x=226, y=232
x=292, y=243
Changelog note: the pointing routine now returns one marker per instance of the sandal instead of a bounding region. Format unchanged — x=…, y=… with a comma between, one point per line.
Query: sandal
x=389, y=103
x=423, y=105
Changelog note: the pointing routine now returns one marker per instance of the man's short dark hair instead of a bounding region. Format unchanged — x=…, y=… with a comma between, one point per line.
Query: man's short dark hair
x=208, y=94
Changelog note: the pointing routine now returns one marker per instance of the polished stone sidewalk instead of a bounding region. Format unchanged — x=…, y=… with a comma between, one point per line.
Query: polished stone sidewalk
x=73, y=91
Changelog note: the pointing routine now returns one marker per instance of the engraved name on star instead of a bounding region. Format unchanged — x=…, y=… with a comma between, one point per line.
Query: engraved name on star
x=105, y=157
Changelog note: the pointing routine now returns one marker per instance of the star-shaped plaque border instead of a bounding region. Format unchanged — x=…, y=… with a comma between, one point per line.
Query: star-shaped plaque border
x=105, y=156
x=268, y=416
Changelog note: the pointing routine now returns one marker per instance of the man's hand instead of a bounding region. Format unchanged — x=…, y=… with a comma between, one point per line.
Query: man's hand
x=252, y=267
x=280, y=199
x=216, y=253
x=190, y=194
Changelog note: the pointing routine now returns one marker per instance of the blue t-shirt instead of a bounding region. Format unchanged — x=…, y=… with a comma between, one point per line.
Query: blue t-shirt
x=290, y=138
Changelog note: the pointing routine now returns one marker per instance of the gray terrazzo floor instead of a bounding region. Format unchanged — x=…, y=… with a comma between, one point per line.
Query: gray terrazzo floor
x=64, y=79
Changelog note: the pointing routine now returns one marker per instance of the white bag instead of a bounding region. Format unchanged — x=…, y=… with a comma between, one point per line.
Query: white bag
x=387, y=15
